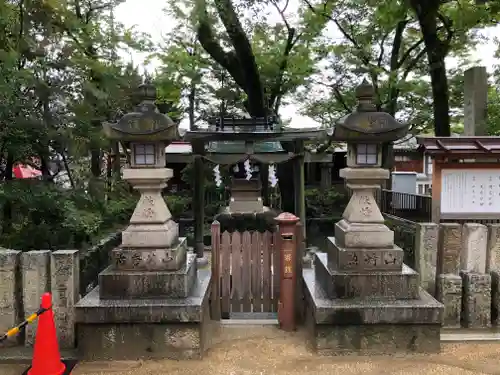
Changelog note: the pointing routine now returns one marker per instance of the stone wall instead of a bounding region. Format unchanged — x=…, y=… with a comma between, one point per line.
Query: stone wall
x=24, y=277
x=460, y=266
x=95, y=260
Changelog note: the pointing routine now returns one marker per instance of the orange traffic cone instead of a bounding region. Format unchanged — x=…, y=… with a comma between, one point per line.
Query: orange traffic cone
x=46, y=356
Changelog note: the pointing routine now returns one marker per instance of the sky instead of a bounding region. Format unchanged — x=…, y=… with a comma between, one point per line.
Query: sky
x=152, y=20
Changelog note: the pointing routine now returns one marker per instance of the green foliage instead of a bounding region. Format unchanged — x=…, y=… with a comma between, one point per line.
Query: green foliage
x=178, y=205
x=321, y=203
x=47, y=217
x=493, y=119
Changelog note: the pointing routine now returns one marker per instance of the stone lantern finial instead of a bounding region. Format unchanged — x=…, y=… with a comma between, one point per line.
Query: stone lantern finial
x=146, y=92
x=365, y=93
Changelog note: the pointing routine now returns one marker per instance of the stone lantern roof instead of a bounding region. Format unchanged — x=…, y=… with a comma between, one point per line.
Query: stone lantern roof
x=366, y=124
x=145, y=123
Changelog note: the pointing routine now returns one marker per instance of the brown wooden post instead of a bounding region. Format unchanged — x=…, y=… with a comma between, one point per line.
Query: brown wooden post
x=288, y=270
x=299, y=255
x=216, y=279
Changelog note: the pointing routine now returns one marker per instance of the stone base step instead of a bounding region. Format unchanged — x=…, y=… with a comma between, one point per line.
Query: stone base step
x=121, y=284
x=363, y=259
x=383, y=285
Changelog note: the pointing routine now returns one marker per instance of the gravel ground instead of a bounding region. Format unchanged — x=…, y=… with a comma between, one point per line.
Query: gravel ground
x=269, y=351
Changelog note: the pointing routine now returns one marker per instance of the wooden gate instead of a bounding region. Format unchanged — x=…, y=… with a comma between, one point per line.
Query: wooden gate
x=245, y=272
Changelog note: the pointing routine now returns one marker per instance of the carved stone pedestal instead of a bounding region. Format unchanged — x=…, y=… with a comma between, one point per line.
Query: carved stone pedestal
x=361, y=297
x=152, y=301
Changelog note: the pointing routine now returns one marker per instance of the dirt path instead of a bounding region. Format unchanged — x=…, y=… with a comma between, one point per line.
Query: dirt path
x=268, y=351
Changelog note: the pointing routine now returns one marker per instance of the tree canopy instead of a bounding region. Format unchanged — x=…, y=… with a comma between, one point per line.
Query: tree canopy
x=62, y=73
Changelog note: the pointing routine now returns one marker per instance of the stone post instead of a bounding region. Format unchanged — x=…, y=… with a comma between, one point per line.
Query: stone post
x=288, y=273
x=35, y=269
x=493, y=268
x=450, y=248
x=326, y=176
x=473, y=257
x=65, y=267
x=10, y=292
x=426, y=248
x=493, y=248
x=449, y=293
x=476, y=101
x=476, y=300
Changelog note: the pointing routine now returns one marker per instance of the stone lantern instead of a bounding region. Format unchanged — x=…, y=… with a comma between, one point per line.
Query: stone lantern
x=365, y=130
x=152, y=293
x=364, y=298
x=146, y=132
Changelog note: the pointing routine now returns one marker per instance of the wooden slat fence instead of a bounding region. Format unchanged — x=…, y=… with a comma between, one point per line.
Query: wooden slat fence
x=245, y=272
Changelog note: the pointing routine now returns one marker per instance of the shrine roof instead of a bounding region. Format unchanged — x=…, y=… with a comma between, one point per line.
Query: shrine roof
x=237, y=147
x=480, y=145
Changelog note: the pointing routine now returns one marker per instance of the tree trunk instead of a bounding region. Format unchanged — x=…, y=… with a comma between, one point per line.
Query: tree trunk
x=428, y=13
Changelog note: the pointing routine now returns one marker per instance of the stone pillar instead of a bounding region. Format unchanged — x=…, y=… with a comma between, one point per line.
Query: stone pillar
x=450, y=248
x=426, y=248
x=476, y=101
x=65, y=267
x=326, y=176
x=493, y=248
x=149, y=242
x=449, y=293
x=10, y=292
x=476, y=300
x=493, y=268
x=35, y=270
x=495, y=297
x=473, y=257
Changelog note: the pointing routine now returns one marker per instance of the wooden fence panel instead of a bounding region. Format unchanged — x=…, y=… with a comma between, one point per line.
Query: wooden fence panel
x=226, y=274
x=266, y=272
x=245, y=266
x=275, y=249
x=236, y=287
x=216, y=272
x=256, y=274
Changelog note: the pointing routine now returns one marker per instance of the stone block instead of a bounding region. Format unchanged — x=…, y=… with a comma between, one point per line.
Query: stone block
x=422, y=310
x=449, y=293
x=493, y=248
x=370, y=327
x=473, y=256
x=91, y=309
x=150, y=259
x=476, y=300
x=178, y=341
x=35, y=270
x=426, y=249
x=449, y=249
x=495, y=297
x=382, y=285
x=151, y=236
x=65, y=270
x=11, y=308
x=172, y=328
x=375, y=339
x=362, y=259
x=120, y=284
x=362, y=235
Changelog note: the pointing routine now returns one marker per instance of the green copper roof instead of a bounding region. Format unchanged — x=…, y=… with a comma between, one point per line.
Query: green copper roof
x=238, y=147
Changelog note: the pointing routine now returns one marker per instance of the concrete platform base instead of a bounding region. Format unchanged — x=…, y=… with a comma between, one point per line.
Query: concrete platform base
x=173, y=328
x=368, y=327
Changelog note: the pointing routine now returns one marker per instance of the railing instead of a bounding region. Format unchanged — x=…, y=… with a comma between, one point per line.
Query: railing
x=412, y=207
